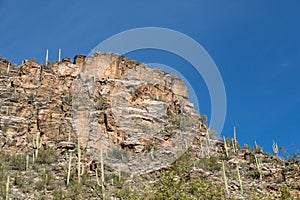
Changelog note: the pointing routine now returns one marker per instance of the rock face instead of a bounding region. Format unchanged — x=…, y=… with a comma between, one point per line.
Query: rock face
x=34, y=98
x=107, y=99
x=139, y=118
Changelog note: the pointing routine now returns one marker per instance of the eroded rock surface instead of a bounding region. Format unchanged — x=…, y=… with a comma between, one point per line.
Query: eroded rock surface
x=126, y=106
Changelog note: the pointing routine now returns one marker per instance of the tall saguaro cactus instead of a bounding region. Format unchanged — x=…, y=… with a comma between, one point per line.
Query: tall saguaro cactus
x=47, y=56
x=8, y=68
x=7, y=188
x=59, y=55
x=225, y=178
x=225, y=147
x=27, y=162
x=239, y=177
x=37, y=143
x=69, y=168
x=234, y=141
x=275, y=148
x=258, y=166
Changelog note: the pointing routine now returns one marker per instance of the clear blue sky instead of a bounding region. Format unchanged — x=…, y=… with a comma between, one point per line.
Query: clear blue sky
x=255, y=44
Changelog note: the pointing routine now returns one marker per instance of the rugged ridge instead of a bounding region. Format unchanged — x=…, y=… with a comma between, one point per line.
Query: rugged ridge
x=105, y=97
x=146, y=126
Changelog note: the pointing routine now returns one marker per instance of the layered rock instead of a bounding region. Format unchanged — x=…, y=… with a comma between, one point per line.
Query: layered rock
x=106, y=98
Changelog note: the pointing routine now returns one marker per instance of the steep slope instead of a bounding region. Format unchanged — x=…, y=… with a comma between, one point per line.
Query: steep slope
x=106, y=98
x=106, y=126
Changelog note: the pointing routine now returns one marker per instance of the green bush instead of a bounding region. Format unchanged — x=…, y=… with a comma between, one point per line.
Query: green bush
x=46, y=181
x=46, y=156
x=59, y=194
x=211, y=164
x=126, y=193
x=173, y=185
x=285, y=193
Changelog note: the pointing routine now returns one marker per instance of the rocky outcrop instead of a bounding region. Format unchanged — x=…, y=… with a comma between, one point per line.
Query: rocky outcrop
x=106, y=98
x=143, y=121
x=34, y=98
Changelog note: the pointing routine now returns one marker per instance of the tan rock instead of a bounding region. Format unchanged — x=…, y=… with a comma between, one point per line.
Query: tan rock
x=104, y=97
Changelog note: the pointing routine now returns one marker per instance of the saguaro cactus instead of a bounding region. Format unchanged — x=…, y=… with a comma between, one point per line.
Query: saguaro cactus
x=33, y=159
x=69, y=169
x=47, y=56
x=8, y=68
x=37, y=144
x=7, y=188
x=275, y=148
x=225, y=147
x=239, y=177
x=258, y=166
x=225, y=179
x=234, y=142
x=59, y=55
x=27, y=162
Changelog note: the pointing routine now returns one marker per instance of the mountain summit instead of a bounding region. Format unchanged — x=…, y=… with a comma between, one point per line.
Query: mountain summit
x=108, y=127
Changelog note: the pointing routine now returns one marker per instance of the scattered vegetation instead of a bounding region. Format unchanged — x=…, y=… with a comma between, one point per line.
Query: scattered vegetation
x=293, y=156
x=45, y=173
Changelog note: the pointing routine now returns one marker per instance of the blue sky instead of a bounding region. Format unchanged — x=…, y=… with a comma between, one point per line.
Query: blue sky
x=255, y=44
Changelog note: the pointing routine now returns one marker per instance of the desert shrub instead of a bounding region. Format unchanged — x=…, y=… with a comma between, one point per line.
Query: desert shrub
x=19, y=180
x=17, y=162
x=46, y=181
x=177, y=183
x=285, y=192
x=294, y=156
x=59, y=194
x=46, y=156
x=176, y=121
x=210, y=163
x=126, y=193
x=172, y=185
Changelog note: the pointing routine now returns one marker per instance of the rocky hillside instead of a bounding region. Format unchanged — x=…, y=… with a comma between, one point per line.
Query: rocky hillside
x=105, y=126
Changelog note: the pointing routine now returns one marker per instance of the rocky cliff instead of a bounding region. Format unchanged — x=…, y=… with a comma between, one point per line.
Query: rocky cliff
x=129, y=108
x=138, y=120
